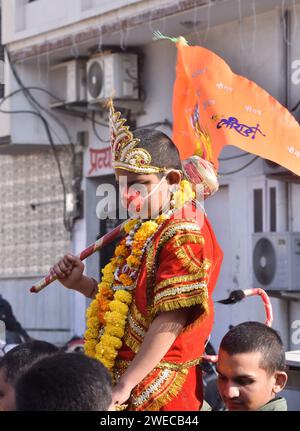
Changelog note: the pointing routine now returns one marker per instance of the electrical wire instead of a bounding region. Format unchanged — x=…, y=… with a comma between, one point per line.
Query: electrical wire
x=96, y=133
x=62, y=101
x=47, y=129
x=92, y=119
x=224, y=159
x=240, y=169
x=36, y=105
x=20, y=90
x=295, y=108
x=48, y=133
x=166, y=122
x=37, y=109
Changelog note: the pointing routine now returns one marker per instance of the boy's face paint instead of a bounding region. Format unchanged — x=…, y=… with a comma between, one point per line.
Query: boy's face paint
x=130, y=197
x=143, y=195
x=243, y=384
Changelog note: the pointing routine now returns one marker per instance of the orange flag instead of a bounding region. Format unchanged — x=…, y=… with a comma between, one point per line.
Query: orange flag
x=213, y=107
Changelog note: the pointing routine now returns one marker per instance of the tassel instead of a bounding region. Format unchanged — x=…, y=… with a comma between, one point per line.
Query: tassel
x=157, y=35
x=199, y=298
x=234, y=297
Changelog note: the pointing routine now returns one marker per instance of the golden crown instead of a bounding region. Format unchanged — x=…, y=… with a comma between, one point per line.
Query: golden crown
x=125, y=151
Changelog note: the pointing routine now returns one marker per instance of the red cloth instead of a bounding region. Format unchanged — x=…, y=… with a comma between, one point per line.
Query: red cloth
x=187, y=250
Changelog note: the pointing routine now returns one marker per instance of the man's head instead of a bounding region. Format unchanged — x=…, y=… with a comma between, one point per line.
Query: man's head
x=250, y=366
x=135, y=187
x=16, y=362
x=65, y=382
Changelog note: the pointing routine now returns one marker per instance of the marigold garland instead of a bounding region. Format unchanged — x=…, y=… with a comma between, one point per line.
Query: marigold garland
x=107, y=313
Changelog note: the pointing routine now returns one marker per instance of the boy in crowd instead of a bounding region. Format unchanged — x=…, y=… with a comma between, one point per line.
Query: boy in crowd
x=155, y=296
x=251, y=368
x=16, y=362
x=65, y=382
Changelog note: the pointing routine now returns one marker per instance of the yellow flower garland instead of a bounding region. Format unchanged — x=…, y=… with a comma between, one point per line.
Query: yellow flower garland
x=107, y=313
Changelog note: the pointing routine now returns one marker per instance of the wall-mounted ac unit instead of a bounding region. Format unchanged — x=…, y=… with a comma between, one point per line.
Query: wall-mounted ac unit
x=112, y=75
x=68, y=83
x=276, y=261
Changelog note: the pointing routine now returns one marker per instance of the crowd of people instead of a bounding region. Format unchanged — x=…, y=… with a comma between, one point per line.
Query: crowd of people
x=37, y=376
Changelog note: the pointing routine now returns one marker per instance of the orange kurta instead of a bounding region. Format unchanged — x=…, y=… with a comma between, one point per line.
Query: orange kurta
x=179, y=269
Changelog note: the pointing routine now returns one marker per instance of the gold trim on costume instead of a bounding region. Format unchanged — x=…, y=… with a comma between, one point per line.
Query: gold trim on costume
x=151, y=389
x=188, y=299
x=192, y=263
x=169, y=380
x=173, y=281
x=136, y=329
x=164, y=388
x=168, y=232
x=175, y=290
x=191, y=238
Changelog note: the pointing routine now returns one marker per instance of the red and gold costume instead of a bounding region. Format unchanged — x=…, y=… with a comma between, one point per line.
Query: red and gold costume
x=179, y=270
x=166, y=264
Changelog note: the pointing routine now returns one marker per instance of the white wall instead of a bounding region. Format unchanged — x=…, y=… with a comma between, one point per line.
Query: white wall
x=252, y=49
x=23, y=20
x=158, y=76
x=32, y=130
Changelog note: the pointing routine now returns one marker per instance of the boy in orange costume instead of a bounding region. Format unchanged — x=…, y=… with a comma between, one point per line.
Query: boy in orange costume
x=153, y=311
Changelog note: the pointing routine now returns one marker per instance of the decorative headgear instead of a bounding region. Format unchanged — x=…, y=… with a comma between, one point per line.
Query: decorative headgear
x=126, y=154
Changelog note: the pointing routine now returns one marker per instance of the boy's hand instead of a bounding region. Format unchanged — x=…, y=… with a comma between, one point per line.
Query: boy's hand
x=68, y=270
x=120, y=394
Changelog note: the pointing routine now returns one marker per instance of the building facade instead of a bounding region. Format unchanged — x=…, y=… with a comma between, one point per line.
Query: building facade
x=258, y=39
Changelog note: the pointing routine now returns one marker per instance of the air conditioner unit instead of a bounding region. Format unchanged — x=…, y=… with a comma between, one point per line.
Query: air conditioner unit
x=276, y=261
x=68, y=83
x=112, y=75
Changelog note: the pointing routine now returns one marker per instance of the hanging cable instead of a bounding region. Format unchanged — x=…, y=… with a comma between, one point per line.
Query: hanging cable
x=37, y=109
x=95, y=130
x=224, y=159
x=295, y=108
x=166, y=123
x=47, y=129
x=35, y=104
x=240, y=169
x=20, y=90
